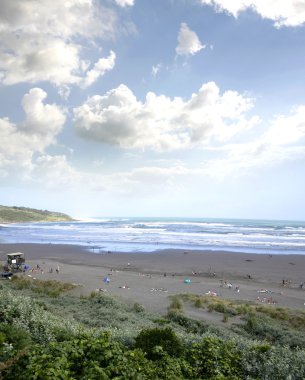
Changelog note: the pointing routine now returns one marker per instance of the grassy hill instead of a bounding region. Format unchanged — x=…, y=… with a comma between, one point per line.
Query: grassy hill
x=24, y=214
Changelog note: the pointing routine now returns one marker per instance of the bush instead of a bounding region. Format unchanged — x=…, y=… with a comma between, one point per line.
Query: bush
x=27, y=315
x=150, y=340
x=100, y=358
x=15, y=337
x=138, y=308
x=51, y=288
x=176, y=304
x=271, y=330
x=214, y=358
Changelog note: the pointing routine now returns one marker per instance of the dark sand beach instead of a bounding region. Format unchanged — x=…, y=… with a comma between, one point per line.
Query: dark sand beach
x=150, y=278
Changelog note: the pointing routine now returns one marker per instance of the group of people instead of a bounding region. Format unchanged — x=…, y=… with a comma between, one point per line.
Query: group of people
x=40, y=269
x=229, y=285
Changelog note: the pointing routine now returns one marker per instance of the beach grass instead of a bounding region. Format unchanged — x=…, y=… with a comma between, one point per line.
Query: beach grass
x=51, y=288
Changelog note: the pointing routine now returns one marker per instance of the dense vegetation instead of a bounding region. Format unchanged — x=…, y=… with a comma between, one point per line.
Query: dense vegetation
x=24, y=214
x=47, y=334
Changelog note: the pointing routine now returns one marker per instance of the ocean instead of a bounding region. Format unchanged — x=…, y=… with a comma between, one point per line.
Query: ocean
x=151, y=234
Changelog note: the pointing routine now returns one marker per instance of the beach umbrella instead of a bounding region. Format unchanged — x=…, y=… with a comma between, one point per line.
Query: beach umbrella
x=187, y=281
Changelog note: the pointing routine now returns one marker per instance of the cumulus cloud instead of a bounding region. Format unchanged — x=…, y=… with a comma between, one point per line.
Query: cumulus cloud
x=161, y=123
x=41, y=119
x=20, y=142
x=44, y=41
x=282, y=12
x=188, y=41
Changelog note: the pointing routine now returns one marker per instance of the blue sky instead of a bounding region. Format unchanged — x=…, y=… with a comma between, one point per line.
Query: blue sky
x=190, y=108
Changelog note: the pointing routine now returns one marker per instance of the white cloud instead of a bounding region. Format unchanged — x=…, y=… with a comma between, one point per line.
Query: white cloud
x=144, y=180
x=19, y=142
x=99, y=69
x=287, y=130
x=283, y=140
x=55, y=172
x=161, y=123
x=125, y=3
x=44, y=40
x=155, y=69
x=282, y=12
x=188, y=41
x=42, y=120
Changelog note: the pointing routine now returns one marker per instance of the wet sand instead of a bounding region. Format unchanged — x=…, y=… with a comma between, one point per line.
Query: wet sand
x=150, y=278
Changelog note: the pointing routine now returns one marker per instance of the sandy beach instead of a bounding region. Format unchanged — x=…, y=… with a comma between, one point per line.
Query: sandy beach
x=150, y=278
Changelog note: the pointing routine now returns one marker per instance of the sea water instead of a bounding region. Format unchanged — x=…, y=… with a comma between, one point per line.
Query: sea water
x=152, y=234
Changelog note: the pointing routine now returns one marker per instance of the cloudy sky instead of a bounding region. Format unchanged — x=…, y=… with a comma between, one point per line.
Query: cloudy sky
x=154, y=108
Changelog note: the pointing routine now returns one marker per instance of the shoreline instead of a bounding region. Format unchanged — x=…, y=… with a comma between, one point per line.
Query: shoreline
x=150, y=278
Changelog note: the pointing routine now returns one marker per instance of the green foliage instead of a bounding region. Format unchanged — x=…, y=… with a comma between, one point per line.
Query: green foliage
x=176, y=304
x=213, y=358
x=138, y=308
x=26, y=314
x=41, y=340
x=25, y=214
x=85, y=357
x=263, y=327
x=268, y=363
x=11, y=335
x=51, y=288
x=158, y=340
x=292, y=318
x=198, y=302
x=190, y=325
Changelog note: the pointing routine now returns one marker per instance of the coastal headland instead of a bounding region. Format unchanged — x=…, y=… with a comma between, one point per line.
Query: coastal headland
x=150, y=278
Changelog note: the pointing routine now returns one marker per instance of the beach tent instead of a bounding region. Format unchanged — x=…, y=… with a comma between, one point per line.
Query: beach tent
x=107, y=280
x=187, y=281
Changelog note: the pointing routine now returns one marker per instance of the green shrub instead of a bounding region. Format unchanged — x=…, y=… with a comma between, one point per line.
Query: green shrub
x=27, y=315
x=14, y=336
x=190, y=325
x=151, y=340
x=51, y=288
x=214, y=358
x=198, y=302
x=176, y=304
x=138, y=308
x=263, y=327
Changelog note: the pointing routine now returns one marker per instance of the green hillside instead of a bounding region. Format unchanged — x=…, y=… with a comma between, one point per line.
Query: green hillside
x=25, y=214
x=48, y=333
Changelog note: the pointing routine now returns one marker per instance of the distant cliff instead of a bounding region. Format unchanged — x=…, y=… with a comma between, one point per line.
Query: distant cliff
x=24, y=214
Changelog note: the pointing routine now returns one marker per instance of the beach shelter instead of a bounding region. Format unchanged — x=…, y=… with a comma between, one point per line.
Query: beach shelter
x=15, y=261
x=107, y=280
x=187, y=281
